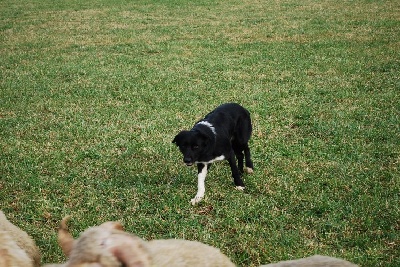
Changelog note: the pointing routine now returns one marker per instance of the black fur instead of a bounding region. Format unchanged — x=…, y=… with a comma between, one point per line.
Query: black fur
x=233, y=129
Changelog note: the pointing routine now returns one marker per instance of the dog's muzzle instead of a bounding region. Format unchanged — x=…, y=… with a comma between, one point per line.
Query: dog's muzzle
x=188, y=161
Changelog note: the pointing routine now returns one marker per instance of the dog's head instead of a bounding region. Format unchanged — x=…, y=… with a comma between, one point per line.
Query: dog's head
x=106, y=245
x=192, y=144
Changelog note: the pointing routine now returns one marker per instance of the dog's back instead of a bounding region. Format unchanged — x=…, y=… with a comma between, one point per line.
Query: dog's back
x=176, y=252
x=233, y=119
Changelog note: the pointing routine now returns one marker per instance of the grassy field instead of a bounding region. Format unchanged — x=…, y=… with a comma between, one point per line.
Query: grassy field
x=93, y=92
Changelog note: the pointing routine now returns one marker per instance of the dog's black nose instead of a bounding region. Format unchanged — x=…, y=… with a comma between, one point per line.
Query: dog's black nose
x=188, y=161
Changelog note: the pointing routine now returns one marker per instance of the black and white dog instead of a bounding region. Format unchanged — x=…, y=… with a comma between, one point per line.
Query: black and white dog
x=222, y=134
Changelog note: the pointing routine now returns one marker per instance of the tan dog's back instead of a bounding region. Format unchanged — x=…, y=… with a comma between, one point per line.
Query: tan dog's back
x=179, y=253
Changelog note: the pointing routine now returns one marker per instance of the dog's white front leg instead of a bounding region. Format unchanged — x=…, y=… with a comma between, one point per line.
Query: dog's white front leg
x=201, y=189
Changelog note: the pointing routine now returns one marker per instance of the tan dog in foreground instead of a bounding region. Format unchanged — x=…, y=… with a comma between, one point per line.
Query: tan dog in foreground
x=17, y=248
x=108, y=246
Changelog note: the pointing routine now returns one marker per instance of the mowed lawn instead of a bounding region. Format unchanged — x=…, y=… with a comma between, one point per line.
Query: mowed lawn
x=93, y=92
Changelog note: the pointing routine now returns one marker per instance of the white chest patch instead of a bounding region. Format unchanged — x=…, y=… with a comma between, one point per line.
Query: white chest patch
x=222, y=157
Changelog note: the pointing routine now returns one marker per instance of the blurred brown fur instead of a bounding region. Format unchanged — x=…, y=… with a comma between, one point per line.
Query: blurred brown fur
x=17, y=248
x=108, y=246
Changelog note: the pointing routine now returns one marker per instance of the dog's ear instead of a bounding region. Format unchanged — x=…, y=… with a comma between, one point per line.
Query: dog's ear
x=112, y=226
x=178, y=137
x=65, y=239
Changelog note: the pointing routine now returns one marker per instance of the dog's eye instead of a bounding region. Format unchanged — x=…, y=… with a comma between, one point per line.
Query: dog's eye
x=195, y=147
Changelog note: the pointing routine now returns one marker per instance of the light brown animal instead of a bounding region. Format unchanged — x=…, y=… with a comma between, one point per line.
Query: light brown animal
x=17, y=248
x=313, y=261
x=108, y=246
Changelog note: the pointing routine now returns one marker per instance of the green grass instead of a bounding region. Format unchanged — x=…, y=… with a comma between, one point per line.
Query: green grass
x=93, y=92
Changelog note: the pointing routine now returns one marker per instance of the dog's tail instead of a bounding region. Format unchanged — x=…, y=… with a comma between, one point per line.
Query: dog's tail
x=65, y=239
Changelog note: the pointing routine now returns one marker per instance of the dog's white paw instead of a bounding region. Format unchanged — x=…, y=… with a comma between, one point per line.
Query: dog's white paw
x=240, y=188
x=249, y=170
x=196, y=200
